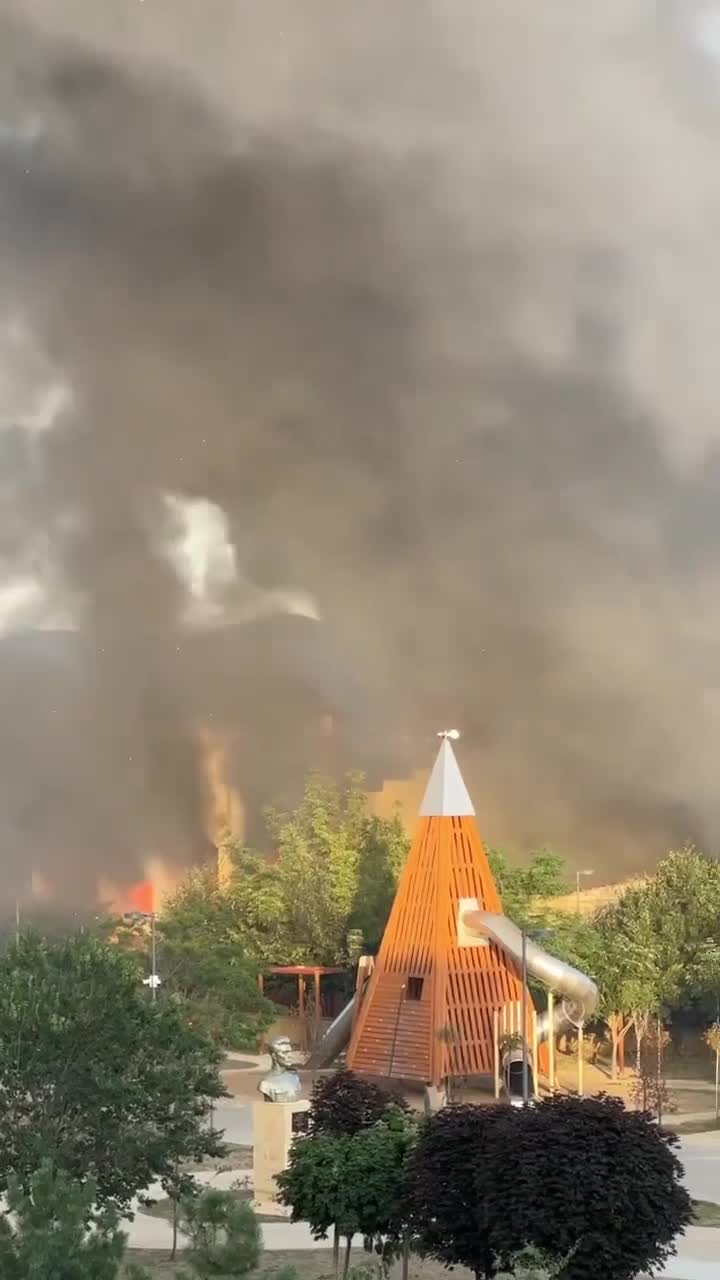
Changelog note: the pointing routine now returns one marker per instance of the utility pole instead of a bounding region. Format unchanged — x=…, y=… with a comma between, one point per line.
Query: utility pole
x=578, y=874
x=153, y=947
x=525, y=1080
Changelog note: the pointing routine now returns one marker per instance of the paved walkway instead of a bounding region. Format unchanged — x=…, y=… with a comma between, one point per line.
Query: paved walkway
x=698, y=1251
x=146, y=1232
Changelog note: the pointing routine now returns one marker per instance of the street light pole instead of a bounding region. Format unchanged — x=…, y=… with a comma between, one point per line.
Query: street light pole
x=525, y=1081
x=578, y=874
x=153, y=983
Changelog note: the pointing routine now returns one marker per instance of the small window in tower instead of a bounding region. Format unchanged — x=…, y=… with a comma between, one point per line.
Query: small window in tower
x=415, y=988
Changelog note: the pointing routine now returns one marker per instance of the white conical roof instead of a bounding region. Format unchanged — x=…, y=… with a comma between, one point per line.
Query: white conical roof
x=446, y=795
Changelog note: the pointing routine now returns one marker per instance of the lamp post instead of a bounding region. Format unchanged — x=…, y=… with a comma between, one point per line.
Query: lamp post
x=153, y=951
x=578, y=875
x=153, y=982
x=524, y=935
x=523, y=1025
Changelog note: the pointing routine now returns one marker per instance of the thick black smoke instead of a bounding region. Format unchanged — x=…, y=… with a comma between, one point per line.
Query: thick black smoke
x=420, y=298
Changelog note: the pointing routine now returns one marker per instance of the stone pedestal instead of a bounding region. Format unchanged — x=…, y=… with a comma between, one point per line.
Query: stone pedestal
x=276, y=1124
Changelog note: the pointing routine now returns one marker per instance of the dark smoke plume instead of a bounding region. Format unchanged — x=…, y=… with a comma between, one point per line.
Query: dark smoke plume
x=357, y=357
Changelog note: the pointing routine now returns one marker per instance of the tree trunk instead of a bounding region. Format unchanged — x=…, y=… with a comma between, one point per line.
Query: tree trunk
x=640, y=1023
x=346, y=1264
x=615, y=1025
x=406, y=1258
x=336, y=1251
x=173, y=1251
x=659, y=1070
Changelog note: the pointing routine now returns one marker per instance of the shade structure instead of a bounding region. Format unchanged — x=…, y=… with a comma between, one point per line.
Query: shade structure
x=428, y=1011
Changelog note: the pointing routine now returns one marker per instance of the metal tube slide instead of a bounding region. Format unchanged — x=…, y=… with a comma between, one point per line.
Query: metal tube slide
x=334, y=1041
x=579, y=995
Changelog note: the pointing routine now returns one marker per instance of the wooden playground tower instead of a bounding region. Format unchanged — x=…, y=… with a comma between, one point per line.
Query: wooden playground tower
x=433, y=1007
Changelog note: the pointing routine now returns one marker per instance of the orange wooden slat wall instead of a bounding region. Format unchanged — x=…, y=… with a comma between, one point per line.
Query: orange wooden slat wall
x=398, y=1036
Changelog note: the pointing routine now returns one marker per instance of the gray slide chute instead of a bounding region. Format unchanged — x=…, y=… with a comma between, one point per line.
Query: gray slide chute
x=578, y=993
x=336, y=1039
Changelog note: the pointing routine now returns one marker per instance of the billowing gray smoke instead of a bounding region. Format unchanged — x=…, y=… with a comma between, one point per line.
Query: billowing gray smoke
x=363, y=356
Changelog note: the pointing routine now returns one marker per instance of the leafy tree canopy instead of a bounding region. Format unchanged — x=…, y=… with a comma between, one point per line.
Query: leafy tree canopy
x=661, y=939
x=337, y=867
x=684, y=903
x=353, y=1182
x=374, y=1174
x=205, y=939
x=631, y=972
x=224, y=1237
x=313, y=1185
x=583, y=1180
x=52, y=1228
x=326, y=895
x=344, y=1103
x=96, y=1077
x=523, y=888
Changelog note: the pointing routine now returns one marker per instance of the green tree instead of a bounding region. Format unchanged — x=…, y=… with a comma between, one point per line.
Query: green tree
x=374, y=1172
x=205, y=939
x=223, y=1233
x=52, y=1229
x=383, y=850
x=327, y=850
x=353, y=1182
x=95, y=1076
x=712, y=1040
x=324, y=899
x=314, y=1185
x=682, y=903
x=703, y=973
x=636, y=971
x=533, y=1264
x=256, y=893
x=524, y=888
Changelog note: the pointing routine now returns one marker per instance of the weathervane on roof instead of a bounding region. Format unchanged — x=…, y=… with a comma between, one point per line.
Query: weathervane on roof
x=449, y=733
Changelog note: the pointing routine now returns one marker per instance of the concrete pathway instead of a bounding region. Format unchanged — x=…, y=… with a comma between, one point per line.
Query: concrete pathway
x=700, y=1156
x=698, y=1252
x=146, y=1232
x=691, y=1086
x=235, y=1118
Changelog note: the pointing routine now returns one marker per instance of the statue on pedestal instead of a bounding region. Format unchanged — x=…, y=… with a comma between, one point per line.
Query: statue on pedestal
x=282, y=1083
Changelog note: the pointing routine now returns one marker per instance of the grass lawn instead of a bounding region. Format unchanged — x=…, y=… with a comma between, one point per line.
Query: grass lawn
x=692, y=1100
x=310, y=1264
x=707, y=1214
x=696, y=1126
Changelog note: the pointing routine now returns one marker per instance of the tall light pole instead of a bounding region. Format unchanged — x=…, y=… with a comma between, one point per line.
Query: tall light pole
x=153, y=982
x=523, y=1023
x=153, y=949
x=578, y=875
x=539, y=934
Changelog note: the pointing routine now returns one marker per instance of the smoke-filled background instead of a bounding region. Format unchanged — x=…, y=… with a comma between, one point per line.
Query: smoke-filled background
x=357, y=359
